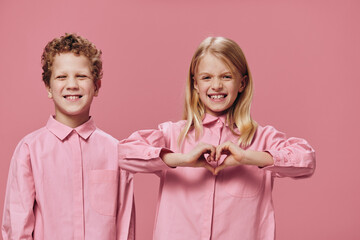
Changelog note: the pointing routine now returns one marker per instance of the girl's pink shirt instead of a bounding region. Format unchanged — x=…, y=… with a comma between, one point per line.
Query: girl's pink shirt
x=66, y=183
x=235, y=204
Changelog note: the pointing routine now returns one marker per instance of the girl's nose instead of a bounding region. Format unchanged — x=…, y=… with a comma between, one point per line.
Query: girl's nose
x=216, y=84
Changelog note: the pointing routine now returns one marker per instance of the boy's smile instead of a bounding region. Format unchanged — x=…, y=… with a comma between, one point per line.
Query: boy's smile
x=71, y=88
x=72, y=97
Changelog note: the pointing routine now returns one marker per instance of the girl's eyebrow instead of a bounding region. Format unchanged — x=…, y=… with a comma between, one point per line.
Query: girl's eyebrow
x=227, y=72
x=202, y=74
x=206, y=73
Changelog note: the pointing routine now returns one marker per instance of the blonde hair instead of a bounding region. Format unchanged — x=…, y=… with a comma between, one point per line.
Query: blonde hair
x=239, y=113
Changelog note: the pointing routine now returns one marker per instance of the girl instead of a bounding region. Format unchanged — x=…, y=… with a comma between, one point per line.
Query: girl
x=217, y=166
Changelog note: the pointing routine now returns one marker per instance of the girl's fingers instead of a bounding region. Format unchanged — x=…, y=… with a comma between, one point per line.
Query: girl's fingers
x=207, y=148
x=203, y=163
x=219, y=168
x=218, y=152
x=213, y=153
x=220, y=149
x=223, y=165
x=209, y=167
x=228, y=162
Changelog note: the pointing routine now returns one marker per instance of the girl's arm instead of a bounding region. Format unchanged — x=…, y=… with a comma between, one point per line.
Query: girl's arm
x=147, y=151
x=144, y=151
x=285, y=157
x=237, y=156
x=194, y=158
x=293, y=157
x=141, y=151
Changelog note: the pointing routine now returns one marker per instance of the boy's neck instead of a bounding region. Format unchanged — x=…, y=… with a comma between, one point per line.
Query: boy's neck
x=73, y=121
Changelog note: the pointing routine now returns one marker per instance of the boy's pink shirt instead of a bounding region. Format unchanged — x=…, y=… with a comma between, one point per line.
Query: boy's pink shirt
x=66, y=183
x=236, y=204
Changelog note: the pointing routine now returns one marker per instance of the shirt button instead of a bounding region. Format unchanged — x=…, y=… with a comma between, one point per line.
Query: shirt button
x=218, y=120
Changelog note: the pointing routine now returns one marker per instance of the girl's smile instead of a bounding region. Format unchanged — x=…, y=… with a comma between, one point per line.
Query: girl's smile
x=216, y=85
x=217, y=97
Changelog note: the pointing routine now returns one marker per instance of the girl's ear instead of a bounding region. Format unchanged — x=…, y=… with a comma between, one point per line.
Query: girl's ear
x=97, y=87
x=196, y=87
x=243, y=82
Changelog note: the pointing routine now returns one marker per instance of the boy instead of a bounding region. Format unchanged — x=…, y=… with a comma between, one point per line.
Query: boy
x=64, y=181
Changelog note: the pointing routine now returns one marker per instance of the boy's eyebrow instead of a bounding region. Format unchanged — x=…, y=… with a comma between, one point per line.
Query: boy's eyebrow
x=59, y=73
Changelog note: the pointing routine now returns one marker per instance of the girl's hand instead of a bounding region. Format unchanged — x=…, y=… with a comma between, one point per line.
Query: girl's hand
x=235, y=155
x=194, y=158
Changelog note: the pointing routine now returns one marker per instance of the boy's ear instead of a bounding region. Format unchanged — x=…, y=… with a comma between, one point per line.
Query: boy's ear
x=97, y=87
x=243, y=83
x=48, y=89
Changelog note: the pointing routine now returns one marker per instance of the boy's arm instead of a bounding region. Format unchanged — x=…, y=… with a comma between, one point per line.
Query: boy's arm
x=126, y=209
x=18, y=217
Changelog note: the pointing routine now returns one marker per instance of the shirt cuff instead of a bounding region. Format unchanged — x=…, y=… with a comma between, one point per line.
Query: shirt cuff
x=279, y=159
x=151, y=156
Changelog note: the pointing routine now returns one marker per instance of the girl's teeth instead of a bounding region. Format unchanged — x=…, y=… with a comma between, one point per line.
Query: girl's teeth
x=217, y=96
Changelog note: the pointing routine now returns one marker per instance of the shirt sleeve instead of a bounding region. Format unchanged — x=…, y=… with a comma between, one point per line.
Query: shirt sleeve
x=18, y=217
x=141, y=151
x=126, y=207
x=293, y=157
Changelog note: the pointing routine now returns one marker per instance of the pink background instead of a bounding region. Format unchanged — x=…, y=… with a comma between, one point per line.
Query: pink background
x=304, y=58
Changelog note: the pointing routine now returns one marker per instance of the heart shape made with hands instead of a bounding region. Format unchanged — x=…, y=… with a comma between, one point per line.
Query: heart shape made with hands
x=214, y=163
x=226, y=150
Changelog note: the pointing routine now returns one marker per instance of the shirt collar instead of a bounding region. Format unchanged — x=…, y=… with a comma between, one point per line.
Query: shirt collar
x=208, y=119
x=62, y=131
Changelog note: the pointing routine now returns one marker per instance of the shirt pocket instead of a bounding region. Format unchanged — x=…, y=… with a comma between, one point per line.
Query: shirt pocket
x=103, y=191
x=243, y=181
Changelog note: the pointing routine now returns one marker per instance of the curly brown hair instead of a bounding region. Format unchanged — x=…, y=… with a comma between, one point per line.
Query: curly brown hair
x=75, y=44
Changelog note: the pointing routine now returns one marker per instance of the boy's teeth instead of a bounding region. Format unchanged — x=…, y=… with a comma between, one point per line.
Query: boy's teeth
x=72, y=97
x=217, y=96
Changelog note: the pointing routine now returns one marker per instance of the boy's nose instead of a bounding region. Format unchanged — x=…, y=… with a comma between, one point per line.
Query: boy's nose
x=72, y=83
